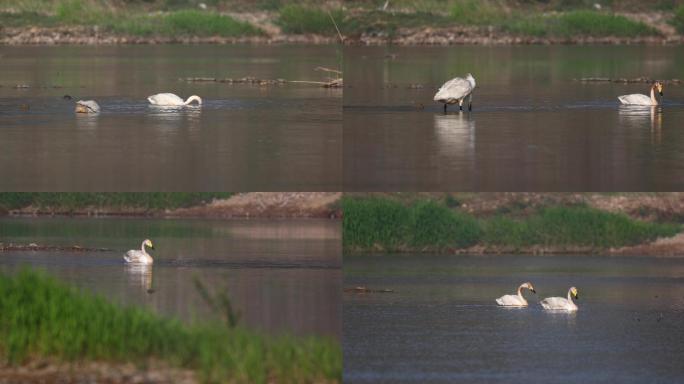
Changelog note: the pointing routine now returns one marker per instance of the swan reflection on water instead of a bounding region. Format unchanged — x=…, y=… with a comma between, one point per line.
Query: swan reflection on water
x=87, y=121
x=636, y=116
x=455, y=133
x=140, y=276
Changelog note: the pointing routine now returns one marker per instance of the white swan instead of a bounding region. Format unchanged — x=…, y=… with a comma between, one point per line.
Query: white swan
x=639, y=99
x=516, y=300
x=455, y=90
x=140, y=257
x=87, y=106
x=560, y=303
x=171, y=99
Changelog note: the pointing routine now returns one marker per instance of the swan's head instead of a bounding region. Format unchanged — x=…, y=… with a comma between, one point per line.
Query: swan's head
x=529, y=286
x=658, y=86
x=148, y=243
x=574, y=293
x=194, y=98
x=470, y=79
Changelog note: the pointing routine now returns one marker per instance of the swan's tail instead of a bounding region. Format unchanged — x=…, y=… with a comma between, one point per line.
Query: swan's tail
x=151, y=100
x=623, y=99
x=499, y=301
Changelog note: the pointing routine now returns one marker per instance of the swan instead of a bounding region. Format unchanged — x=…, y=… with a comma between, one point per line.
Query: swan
x=455, y=90
x=516, y=300
x=561, y=303
x=639, y=99
x=140, y=257
x=171, y=99
x=87, y=106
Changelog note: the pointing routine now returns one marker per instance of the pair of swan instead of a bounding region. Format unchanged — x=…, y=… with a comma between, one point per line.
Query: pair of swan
x=160, y=99
x=140, y=257
x=457, y=89
x=550, y=303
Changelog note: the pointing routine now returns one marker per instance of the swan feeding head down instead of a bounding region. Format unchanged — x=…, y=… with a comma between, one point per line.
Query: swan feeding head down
x=140, y=257
x=516, y=300
x=639, y=99
x=455, y=91
x=170, y=99
x=87, y=106
x=560, y=303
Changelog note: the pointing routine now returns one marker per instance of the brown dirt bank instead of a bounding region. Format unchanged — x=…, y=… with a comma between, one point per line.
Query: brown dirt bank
x=462, y=35
x=43, y=371
x=242, y=205
x=650, y=206
x=80, y=35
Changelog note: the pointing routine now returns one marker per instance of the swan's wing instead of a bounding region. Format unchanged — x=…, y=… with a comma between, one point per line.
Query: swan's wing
x=132, y=256
x=456, y=88
x=554, y=303
x=635, y=99
x=512, y=300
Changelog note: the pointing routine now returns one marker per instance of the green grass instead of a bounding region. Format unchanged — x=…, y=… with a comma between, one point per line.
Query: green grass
x=134, y=20
x=40, y=316
x=300, y=19
x=388, y=225
x=476, y=12
x=79, y=200
x=577, y=23
x=382, y=224
x=678, y=19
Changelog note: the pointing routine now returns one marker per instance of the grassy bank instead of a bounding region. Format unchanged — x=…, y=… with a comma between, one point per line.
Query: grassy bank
x=73, y=201
x=42, y=317
x=387, y=225
x=223, y=18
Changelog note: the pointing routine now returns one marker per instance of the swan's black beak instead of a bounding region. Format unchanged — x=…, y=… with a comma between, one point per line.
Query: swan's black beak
x=661, y=94
x=576, y=297
x=533, y=291
x=151, y=246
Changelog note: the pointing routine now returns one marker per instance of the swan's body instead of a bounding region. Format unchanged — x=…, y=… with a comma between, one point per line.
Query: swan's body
x=455, y=91
x=140, y=257
x=87, y=106
x=516, y=300
x=171, y=99
x=639, y=99
x=561, y=303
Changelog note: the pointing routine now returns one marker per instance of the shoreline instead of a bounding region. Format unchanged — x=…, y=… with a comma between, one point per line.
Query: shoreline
x=423, y=36
x=671, y=247
x=251, y=205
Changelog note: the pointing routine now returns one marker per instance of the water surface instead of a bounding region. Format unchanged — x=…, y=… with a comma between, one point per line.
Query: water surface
x=442, y=324
x=532, y=128
x=245, y=137
x=283, y=276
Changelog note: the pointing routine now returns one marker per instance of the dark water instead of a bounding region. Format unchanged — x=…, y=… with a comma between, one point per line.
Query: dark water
x=533, y=128
x=245, y=137
x=442, y=324
x=283, y=276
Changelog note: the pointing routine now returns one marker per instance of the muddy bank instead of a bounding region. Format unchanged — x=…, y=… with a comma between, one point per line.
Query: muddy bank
x=242, y=205
x=457, y=35
x=87, y=35
x=9, y=247
x=462, y=35
x=43, y=371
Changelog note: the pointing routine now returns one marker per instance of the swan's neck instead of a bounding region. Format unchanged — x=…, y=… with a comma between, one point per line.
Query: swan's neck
x=520, y=291
x=193, y=98
x=142, y=247
x=653, y=98
x=570, y=296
